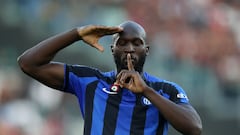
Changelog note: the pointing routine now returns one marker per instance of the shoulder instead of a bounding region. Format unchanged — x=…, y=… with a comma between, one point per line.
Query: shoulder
x=153, y=81
x=150, y=78
x=172, y=84
x=168, y=89
x=81, y=70
x=164, y=84
x=86, y=71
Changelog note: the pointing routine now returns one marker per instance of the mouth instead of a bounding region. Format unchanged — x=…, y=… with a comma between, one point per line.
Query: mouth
x=133, y=60
x=124, y=61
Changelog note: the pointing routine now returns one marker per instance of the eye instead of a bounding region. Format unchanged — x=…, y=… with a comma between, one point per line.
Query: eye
x=121, y=42
x=137, y=42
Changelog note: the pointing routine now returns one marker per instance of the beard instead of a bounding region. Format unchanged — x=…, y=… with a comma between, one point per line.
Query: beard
x=121, y=63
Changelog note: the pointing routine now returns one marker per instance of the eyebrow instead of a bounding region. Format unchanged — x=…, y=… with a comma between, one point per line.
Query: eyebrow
x=132, y=40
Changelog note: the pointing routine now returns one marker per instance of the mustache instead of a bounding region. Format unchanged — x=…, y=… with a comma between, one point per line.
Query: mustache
x=132, y=58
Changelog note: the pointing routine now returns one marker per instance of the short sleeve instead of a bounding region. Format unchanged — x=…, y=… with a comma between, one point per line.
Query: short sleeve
x=175, y=92
x=77, y=77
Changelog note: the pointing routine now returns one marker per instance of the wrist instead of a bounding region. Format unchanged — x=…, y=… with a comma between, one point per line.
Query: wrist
x=77, y=33
x=147, y=91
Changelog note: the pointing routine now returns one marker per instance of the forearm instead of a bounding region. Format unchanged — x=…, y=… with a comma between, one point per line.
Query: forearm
x=45, y=51
x=185, y=120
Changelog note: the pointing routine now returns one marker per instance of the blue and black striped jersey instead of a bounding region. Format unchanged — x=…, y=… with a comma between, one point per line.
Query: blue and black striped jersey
x=107, y=112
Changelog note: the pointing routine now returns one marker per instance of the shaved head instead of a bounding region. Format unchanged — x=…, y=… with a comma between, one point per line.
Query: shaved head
x=130, y=27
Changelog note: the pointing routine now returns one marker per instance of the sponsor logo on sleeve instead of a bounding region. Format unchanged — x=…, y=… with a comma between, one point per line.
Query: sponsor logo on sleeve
x=181, y=95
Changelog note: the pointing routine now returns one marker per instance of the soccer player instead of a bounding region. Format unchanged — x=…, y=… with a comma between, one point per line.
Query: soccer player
x=125, y=101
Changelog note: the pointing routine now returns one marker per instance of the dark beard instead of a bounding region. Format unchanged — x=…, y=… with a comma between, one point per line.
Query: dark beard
x=123, y=65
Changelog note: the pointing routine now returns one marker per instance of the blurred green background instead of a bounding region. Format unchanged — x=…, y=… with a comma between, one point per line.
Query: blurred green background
x=195, y=43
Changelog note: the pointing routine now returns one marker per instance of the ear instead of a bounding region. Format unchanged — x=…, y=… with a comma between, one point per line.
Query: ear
x=147, y=49
x=112, y=46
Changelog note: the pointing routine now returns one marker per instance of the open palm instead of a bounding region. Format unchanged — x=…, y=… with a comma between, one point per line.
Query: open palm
x=91, y=34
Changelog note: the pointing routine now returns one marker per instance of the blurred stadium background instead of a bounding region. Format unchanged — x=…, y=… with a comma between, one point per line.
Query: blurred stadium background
x=195, y=43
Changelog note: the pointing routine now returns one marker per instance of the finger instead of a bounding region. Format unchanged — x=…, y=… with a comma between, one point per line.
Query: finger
x=117, y=82
x=110, y=30
x=116, y=30
x=129, y=84
x=120, y=78
x=129, y=62
x=99, y=47
x=126, y=77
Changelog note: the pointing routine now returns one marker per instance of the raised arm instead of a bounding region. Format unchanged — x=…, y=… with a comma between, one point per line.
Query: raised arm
x=37, y=61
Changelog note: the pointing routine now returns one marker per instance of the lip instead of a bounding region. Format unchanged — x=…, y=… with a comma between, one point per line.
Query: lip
x=133, y=60
x=132, y=57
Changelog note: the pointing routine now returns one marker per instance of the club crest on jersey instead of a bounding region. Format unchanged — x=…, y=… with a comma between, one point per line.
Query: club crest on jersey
x=145, y=101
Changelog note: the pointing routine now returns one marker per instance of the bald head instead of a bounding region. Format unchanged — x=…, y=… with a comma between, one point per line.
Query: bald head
x=131, y=28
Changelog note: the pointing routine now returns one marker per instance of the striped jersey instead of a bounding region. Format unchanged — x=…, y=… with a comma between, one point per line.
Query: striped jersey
x=110, y=112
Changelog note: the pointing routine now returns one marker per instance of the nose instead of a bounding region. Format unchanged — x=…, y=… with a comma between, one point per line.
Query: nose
x=129, y=48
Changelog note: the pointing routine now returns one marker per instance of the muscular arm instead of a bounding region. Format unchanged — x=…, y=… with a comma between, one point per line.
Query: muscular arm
x=37, y=61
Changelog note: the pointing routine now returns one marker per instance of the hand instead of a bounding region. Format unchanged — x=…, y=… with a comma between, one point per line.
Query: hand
x=91, y=34
x=130, y=78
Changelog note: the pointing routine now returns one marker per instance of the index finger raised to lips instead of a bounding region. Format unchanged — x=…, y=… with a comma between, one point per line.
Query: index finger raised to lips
x=129, y=62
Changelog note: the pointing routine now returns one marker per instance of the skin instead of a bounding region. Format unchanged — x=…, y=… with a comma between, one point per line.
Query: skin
x=129, y=51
